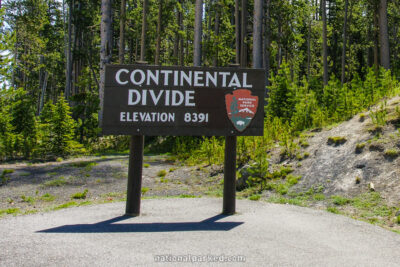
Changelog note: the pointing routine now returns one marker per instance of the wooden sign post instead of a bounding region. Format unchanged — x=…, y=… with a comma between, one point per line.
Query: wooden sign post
x=144, y=100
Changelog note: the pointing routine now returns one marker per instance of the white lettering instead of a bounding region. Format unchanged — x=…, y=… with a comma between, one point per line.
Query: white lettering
x=198, y=77
x=224, y=75
x=122, y=116
x=154, y=77
x=142, y=78
x=118, y=78
x=188, y=97
x=187, y=78
x=245, y=85
x=156, y=98
x=234, y=81
x=211, y=78
x=166, y=75
x=174, y=98
x=130, y=97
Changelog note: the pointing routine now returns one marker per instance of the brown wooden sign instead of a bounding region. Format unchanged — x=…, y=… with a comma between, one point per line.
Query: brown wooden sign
x=155, y=100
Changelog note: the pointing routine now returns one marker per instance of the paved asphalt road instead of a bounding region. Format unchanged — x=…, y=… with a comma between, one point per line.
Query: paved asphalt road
x=261, y=234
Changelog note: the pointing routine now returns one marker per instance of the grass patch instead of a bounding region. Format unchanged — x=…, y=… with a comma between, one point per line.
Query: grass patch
x=144, y=190
x=391, y=153
x=161, y=173
x=28, y=199
x=56, y=182
x=146, y=165
x=340, y=201
x=318, y=197
x=114, y=194
x=336, y=140
x=47, y=197
x=66, y=205
x=360, y=147
x=332, y=210
x=4, y=178
x=188, y=196
x=9, y=211
x=80, y=195
x=255, y=197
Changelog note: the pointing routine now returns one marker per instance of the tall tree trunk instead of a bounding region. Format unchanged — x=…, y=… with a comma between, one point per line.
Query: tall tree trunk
x=243, y=45
x=68, y=80
x=181, y=41
x=144, y=29
x=279, y=54
x=383, y=35
x=216, y=30
x=325, y=42
x=343, y=78
x=197, y=33
x=309, y=49
x=267, y=42
x=176, y=41
x=257, y=34
x=237, y=30
x=158, y=45
x=122, y=20
x=105, y=47
x=376, y=39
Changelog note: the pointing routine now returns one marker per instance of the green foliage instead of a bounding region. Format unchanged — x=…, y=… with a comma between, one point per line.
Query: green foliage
x=28, y=199
x=80, y=195
x=56, y=182
x=47, y=197
x=378, y=116
x=144, y=190
x=66, y=205
x=4, y=178
x=255, y=197
x=340, y=201
x=392, y=153
x=336, y=140
x=161, y=173
x=333, y=210
x=360, y=147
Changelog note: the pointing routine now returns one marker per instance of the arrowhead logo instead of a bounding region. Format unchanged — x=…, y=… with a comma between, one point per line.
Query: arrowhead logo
x=241, y=107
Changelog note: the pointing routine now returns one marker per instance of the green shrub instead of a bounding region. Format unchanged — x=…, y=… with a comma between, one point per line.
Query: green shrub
x=161, y=173
x=80, y=195
x=391, y=153
x=336, y=140
x=360, y=147
x=56, y=182
x=47, y=197
x=340, y=201
x=255, y=197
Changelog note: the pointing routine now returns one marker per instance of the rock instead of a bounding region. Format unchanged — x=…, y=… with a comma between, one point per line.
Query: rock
x=241, y=182
x=397, y=213
x=360, y=165
x=371, y=186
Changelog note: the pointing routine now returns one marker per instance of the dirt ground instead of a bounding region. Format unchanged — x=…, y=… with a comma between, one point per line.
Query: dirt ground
x=29, y=188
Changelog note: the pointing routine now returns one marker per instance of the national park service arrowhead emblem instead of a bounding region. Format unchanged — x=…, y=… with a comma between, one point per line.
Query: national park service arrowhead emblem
x=241, y=107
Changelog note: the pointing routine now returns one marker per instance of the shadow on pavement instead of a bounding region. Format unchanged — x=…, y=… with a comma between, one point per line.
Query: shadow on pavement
x=111, y=226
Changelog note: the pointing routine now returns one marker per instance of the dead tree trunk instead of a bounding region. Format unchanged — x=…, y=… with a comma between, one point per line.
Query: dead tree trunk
x=257, y=34
x=121, y=54
x=383, y=35
x=144, y=29
x=197, y=33
x=105, y=47
x=343, y=78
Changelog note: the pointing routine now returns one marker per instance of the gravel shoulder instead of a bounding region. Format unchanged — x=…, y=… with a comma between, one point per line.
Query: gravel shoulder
x=31, y=188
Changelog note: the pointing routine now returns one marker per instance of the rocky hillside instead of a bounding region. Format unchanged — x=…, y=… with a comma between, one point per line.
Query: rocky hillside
x=356, y=156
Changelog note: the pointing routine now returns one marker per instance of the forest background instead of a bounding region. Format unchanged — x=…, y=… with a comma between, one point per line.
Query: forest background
x=325, y=62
